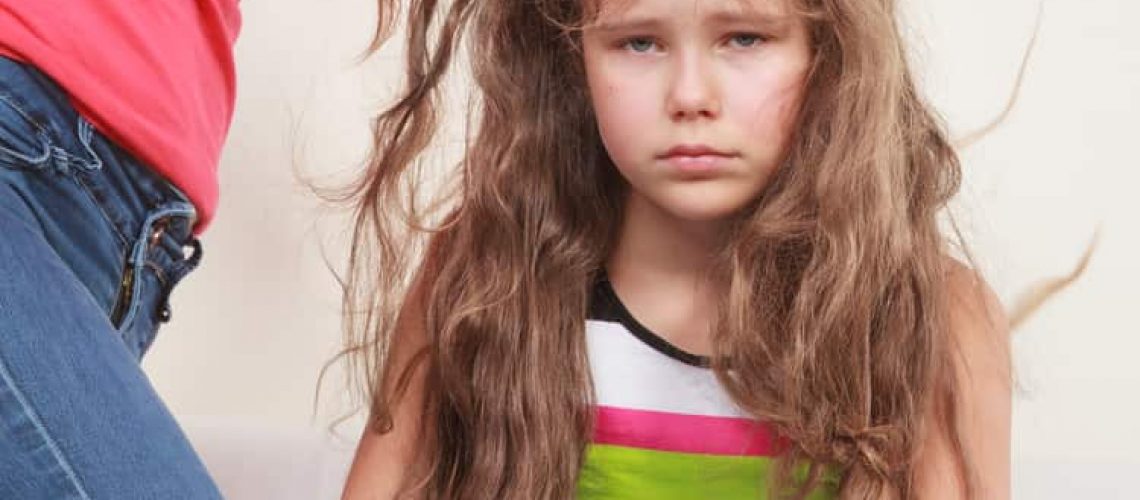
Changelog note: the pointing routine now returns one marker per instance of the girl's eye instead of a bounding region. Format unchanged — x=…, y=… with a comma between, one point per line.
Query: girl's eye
x=746, y=40
x=638, y=44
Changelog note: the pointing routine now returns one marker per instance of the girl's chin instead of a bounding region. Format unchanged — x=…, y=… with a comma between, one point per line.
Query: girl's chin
x=706, y=211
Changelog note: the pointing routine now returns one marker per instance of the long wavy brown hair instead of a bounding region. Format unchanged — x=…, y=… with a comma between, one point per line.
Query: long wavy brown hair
x=834, y=329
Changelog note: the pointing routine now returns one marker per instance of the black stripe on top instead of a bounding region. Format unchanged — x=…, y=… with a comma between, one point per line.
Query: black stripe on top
x=606, y=306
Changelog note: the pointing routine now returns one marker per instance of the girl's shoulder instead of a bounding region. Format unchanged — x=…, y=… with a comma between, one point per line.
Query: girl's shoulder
x=974, y=308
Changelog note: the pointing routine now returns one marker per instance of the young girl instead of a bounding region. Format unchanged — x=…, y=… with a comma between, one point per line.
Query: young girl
x=694, y=253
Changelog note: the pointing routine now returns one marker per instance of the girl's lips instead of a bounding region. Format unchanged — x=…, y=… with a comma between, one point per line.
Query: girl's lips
x=696, y=159
x=698, y=165
x=695, y=150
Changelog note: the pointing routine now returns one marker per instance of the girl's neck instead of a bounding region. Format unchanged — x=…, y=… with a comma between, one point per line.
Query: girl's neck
x=652, y=241
x=660, y=270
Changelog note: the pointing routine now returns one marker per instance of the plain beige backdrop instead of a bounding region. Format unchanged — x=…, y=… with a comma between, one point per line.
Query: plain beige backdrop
x=255, y=323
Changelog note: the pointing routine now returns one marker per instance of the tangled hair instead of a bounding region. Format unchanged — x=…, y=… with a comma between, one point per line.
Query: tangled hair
x=834, y=329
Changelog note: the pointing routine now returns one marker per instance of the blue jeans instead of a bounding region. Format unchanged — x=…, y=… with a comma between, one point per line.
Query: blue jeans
x=91, y=244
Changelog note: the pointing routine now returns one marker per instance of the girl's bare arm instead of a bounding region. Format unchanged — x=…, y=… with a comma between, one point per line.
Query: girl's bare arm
x=383, y=461
x=984, y=398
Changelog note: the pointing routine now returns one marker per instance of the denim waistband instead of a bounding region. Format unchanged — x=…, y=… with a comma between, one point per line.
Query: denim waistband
x=122, y=228
x=69, y=144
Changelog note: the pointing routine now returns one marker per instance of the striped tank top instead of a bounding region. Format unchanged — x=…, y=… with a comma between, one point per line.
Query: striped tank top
x=665, y=428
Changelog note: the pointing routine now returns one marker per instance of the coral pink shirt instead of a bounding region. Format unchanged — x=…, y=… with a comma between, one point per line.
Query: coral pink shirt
x=155, y=76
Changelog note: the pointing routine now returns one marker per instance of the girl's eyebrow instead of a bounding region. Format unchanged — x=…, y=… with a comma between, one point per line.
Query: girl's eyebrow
x=748, y=17
x=628, y=24
x=718, y=18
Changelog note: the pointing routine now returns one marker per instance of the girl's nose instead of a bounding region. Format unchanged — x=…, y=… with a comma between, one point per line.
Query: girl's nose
x=692, y=91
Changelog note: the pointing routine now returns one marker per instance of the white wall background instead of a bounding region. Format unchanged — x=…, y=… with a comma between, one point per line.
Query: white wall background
x=255, y=323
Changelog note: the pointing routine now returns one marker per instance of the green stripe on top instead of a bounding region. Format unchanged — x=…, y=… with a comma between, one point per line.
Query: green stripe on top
x=620, y=473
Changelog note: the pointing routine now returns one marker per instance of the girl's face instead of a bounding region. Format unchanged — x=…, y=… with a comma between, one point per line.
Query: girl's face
x=695, y=99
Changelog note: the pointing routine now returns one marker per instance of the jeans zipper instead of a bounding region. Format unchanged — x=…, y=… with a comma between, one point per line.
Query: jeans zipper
x=127, y=284
x=126, y=290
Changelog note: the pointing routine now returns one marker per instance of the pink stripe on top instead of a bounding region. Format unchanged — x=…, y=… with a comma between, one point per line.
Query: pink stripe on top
x=157, y=77
x=683, y=433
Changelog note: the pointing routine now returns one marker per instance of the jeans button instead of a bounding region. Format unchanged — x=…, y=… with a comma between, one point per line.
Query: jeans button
x=164, y=312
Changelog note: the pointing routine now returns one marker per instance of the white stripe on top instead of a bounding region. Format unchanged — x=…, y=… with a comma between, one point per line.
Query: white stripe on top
x=630, y=374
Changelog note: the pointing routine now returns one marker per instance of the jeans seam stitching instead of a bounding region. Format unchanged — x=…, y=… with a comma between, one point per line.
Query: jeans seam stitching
x=158, y=273
x=40, y=133
x=42, y=431
x=123, y=241
x=86, y=133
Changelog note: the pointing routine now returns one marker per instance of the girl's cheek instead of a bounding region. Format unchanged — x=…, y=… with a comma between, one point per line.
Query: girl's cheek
x=630, y=107
x=624, y=104
x=772, y=109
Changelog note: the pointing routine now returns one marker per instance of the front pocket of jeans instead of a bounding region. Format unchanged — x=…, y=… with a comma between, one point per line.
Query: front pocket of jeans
x=23, y=142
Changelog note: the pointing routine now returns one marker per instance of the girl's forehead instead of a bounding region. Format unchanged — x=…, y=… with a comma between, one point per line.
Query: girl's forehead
x=619, y=8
